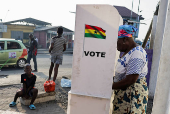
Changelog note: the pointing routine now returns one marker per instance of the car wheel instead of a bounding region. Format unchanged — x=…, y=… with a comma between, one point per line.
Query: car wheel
x=21, y=63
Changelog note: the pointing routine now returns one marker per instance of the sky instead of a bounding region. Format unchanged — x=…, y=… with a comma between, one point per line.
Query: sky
x=57, y=12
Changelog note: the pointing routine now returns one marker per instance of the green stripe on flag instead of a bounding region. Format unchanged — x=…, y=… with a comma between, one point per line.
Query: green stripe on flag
x=95, y=36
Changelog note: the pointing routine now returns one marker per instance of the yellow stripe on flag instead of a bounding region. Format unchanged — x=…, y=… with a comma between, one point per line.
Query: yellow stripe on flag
x=94, y=32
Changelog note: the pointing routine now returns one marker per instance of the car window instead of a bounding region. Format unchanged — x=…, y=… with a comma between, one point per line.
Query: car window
x=2, y=44
x=13, y=45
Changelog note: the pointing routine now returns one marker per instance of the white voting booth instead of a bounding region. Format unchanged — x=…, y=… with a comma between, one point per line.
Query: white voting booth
x=93, y=59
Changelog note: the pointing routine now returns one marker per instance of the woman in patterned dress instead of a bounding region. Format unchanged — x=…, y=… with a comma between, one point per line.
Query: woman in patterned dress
x=130, y=87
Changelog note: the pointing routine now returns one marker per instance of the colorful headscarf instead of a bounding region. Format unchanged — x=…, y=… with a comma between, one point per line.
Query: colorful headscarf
x=126, y=31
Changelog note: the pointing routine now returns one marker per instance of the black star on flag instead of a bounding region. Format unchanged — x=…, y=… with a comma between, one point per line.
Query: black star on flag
x=95, y=32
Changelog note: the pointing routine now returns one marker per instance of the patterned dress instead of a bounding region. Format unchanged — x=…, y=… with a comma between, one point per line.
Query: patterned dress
x=132, y=100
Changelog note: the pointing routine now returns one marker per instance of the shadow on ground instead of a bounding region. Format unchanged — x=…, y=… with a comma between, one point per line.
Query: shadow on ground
x=11, y=68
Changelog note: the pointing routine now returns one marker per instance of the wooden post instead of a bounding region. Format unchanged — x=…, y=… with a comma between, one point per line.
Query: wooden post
x=147, y=35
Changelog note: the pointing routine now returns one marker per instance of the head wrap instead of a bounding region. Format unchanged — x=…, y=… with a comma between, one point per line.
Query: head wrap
x=126, y=31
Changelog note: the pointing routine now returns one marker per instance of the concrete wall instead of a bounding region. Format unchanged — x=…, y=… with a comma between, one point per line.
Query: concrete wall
x=163, y=8
x=41, y=35
x=90, y=105
x=154, y=23
x=161, y=104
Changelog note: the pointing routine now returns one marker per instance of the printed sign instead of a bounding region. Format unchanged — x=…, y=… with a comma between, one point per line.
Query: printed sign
x=96, y=54
x=12, y=55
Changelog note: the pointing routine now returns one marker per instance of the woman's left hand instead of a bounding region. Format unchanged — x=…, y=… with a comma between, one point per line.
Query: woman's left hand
x=125, y=83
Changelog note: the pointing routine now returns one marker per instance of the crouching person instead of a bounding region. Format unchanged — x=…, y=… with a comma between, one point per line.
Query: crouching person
x=28, y=79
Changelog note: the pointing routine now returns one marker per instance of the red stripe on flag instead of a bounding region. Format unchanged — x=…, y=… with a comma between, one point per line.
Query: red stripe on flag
x=94, y=28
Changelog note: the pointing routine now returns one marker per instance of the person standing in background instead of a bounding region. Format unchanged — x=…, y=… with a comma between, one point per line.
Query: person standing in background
x=56, y=49
x=32, y=53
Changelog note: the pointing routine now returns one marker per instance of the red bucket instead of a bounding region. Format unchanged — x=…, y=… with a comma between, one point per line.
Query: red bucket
x=49, y=86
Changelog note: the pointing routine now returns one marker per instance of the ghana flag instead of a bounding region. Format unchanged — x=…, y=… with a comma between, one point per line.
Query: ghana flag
x=94, y=32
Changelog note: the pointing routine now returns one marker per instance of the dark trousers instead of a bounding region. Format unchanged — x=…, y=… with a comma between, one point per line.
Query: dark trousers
x=30, y=55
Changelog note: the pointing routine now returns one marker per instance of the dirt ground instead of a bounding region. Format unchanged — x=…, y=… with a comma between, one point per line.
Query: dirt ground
x=59, y=105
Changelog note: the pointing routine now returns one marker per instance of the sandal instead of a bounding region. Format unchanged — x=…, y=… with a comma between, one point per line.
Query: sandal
x=12, y=104
x=32, y=107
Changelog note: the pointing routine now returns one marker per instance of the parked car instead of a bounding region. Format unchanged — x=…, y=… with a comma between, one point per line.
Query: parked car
x=12, y=52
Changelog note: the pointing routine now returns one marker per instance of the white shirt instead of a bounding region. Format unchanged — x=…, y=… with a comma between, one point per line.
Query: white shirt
x=58, y=46
x=36, y=40
x=134, y=62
